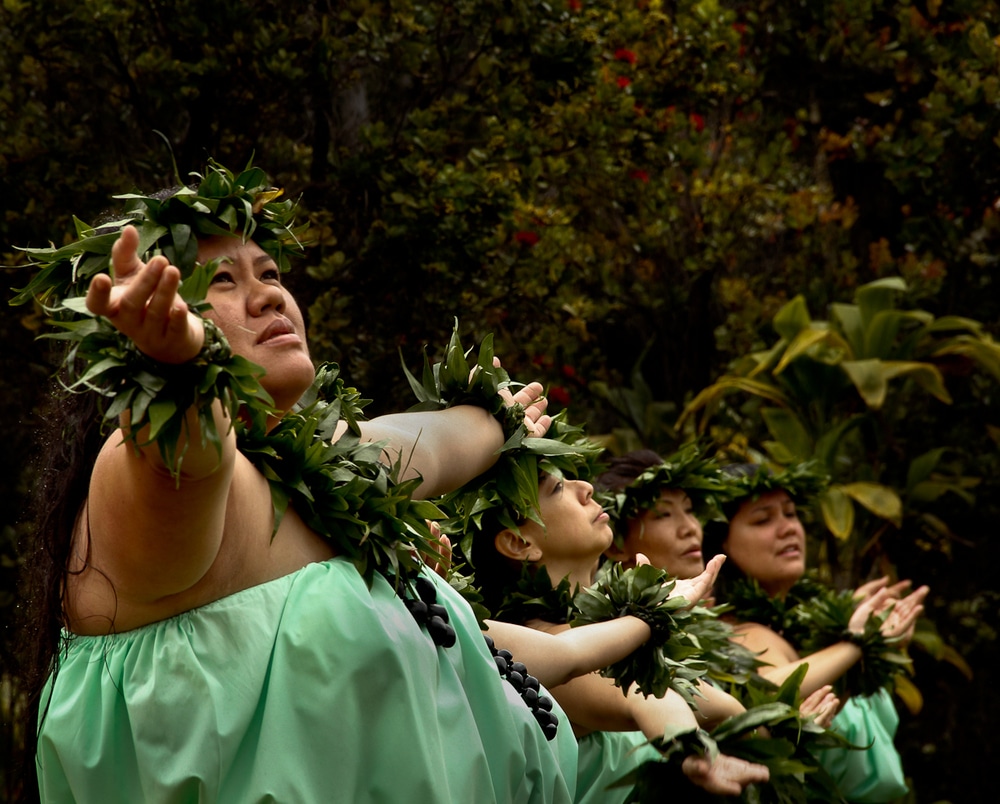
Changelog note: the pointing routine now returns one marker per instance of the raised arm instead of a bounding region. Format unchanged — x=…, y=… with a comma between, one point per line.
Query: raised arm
x=138, y=516
x=448, y=448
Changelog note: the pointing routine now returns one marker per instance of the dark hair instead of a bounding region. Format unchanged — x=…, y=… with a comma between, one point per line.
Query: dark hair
x=68, y=443
x=624, y=469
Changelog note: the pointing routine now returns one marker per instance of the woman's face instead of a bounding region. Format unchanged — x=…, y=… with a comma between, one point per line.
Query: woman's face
x=669, y=535
x=258, y=316
x=767, y=541
x=577, y=529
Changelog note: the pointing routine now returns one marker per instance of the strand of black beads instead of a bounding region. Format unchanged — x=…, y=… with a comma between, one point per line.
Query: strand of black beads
x=517, y=675
x=429, y=613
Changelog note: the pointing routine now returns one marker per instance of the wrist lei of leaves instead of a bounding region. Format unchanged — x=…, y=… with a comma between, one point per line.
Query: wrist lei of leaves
x=454, y=382
x=812, y=617
x=672, y=658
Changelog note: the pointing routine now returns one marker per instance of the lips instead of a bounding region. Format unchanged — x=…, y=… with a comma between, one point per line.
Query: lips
x=278, y=327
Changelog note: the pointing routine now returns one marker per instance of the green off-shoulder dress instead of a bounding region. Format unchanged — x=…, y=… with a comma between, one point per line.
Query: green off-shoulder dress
x=308, y=688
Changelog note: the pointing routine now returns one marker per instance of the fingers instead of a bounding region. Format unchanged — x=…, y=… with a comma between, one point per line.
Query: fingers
x=725, y=776
x=871, y=587
x=124, y=254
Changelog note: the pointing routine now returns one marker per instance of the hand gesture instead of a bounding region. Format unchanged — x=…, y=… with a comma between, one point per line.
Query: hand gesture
x=725, y=775
x=700, y=587
x=534, y=403
x=142, y=303
x=822, y=705
x=442, y=546
x=902, y=615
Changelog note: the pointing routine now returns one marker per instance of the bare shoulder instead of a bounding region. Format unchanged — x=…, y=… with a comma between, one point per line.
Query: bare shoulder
x=773, y=647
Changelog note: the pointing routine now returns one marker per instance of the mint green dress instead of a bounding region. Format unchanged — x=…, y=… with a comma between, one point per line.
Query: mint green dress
x=605, y=757
x=875, y=774
x=308, y=688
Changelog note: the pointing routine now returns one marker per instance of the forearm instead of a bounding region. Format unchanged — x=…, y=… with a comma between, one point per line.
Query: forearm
x=555, y=658
x=446, y=448
x=826, y=666
x=653, y=715
x=714, y=705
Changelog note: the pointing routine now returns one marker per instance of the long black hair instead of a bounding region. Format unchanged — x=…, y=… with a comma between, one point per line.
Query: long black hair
x=67, y=446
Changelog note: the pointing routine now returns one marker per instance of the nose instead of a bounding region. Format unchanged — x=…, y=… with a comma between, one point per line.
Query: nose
x=265, y=296
x=690, y=526
x=584, y=489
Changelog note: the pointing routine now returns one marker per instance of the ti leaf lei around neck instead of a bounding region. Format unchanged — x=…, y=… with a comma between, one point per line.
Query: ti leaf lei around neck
x=342, y=490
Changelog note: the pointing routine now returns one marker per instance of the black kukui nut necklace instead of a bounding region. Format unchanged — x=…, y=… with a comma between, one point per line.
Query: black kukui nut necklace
x=517, y=675
x=430, y=614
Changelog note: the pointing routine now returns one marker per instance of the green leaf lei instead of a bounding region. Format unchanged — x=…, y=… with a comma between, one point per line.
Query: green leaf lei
x=812, y=617
x=341, y=488
x=802, y=481
x=701, y=478
x=100, y=359
x=672, y=658
x=788, y=750
x=452, y=381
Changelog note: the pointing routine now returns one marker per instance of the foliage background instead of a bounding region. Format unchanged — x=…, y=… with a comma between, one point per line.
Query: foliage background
x=626, y=193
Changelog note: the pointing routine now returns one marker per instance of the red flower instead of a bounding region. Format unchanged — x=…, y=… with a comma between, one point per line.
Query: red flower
x=559, y=395
x=624, y=81
x=640, y=175
x=526, y=237
x=697, y=121
x=568, y=371
x=623, y=54
x=575, y=5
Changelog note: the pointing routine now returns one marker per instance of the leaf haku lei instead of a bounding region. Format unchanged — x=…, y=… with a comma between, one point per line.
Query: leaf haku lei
x=156, y=396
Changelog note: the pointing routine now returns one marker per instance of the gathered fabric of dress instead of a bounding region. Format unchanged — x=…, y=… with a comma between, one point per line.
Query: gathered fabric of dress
x=311, y=687
x=873, y=775
x=605, y=757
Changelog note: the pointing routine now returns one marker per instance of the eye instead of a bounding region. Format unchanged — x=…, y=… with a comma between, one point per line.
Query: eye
x=221, y=276
x=271, y=275
x=557, y=487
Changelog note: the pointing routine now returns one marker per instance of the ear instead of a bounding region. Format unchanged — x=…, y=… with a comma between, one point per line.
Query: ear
x=514, y=545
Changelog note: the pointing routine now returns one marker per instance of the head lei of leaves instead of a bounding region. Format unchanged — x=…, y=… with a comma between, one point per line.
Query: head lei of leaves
x=687, y=470
x=102, y=360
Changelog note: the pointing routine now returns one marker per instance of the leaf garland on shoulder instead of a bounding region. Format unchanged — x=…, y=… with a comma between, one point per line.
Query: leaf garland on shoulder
x=672, y=658
x=341, y=489
x=787, y=750
x=812, y=617
x=100, y=359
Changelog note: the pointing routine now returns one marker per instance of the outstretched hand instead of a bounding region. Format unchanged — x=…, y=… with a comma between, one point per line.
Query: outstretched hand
x=142, y=302
x=700, y=587
x=725, y=775
x=902, y=616
x=822, y=705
